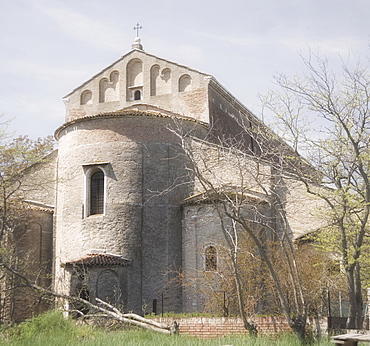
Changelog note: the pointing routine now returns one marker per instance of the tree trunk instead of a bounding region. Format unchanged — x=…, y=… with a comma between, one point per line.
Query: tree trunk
x=355, y=300
x=298, y=325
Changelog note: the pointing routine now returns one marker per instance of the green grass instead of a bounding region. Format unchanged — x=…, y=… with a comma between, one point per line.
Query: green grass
x=52, y=329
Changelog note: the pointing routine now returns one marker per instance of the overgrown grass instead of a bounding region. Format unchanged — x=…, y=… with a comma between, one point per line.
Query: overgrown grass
x=52, y=329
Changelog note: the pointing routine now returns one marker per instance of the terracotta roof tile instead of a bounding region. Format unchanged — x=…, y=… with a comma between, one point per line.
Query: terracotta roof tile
x=101, y=260
x=129, y=112
x=33, y=205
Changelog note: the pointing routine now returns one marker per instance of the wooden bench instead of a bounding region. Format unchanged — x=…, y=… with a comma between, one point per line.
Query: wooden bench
x=349, y=339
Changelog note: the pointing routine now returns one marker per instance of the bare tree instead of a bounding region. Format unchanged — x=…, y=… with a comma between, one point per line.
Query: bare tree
x=326, y=116
x=247, y=191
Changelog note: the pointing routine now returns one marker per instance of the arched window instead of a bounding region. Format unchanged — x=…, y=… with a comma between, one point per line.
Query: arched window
x=154, y=79
x=108, y=287
x=86, y=98
x=134, y=80
x=137, y=95
x=211, y=258
x=79, y=309
x=109, y=88
x=97, y=193
x=185, y=83
x=134, y=73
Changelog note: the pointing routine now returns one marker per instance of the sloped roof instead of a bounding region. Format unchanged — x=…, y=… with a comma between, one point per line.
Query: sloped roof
x=129, y=111
x=209, y=197
x=100, y=260
x=38, y=206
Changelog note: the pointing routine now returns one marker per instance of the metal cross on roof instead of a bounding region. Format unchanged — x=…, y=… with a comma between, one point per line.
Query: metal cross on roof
x=137, y=27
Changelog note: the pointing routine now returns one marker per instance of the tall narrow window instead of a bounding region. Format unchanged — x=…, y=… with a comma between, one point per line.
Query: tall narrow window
x=211, y=258
x=97, y=193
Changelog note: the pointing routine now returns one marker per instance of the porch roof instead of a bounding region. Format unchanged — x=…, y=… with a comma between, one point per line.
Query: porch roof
x=102, y=260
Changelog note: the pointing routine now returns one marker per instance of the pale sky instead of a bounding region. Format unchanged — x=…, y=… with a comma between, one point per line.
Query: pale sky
x=50, y=47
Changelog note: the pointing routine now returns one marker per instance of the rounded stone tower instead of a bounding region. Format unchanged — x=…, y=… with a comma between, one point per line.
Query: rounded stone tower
x=118, y=220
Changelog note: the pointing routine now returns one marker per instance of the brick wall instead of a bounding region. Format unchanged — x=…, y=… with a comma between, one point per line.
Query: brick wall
x=207, y=327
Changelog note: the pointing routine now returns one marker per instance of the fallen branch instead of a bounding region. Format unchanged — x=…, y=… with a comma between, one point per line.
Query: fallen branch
x=135, y=317
x=109, y=310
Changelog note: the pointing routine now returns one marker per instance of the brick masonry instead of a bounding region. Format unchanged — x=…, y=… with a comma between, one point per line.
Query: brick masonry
x=213, y=327
x=206, y=327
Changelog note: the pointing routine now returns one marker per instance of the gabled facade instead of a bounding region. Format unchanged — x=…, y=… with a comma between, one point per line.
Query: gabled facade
x=139, y=78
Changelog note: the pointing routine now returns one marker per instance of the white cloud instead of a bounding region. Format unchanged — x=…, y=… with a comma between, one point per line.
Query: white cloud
x=42, y=71
x=329, y=46
x=232, y=40
x=82, y=27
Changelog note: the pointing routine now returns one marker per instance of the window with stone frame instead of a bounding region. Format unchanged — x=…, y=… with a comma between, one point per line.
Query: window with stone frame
x=210, y=258
x=95, y=188
x=97, y=193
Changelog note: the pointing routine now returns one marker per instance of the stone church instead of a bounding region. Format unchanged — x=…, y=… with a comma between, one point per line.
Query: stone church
x=123, y=214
